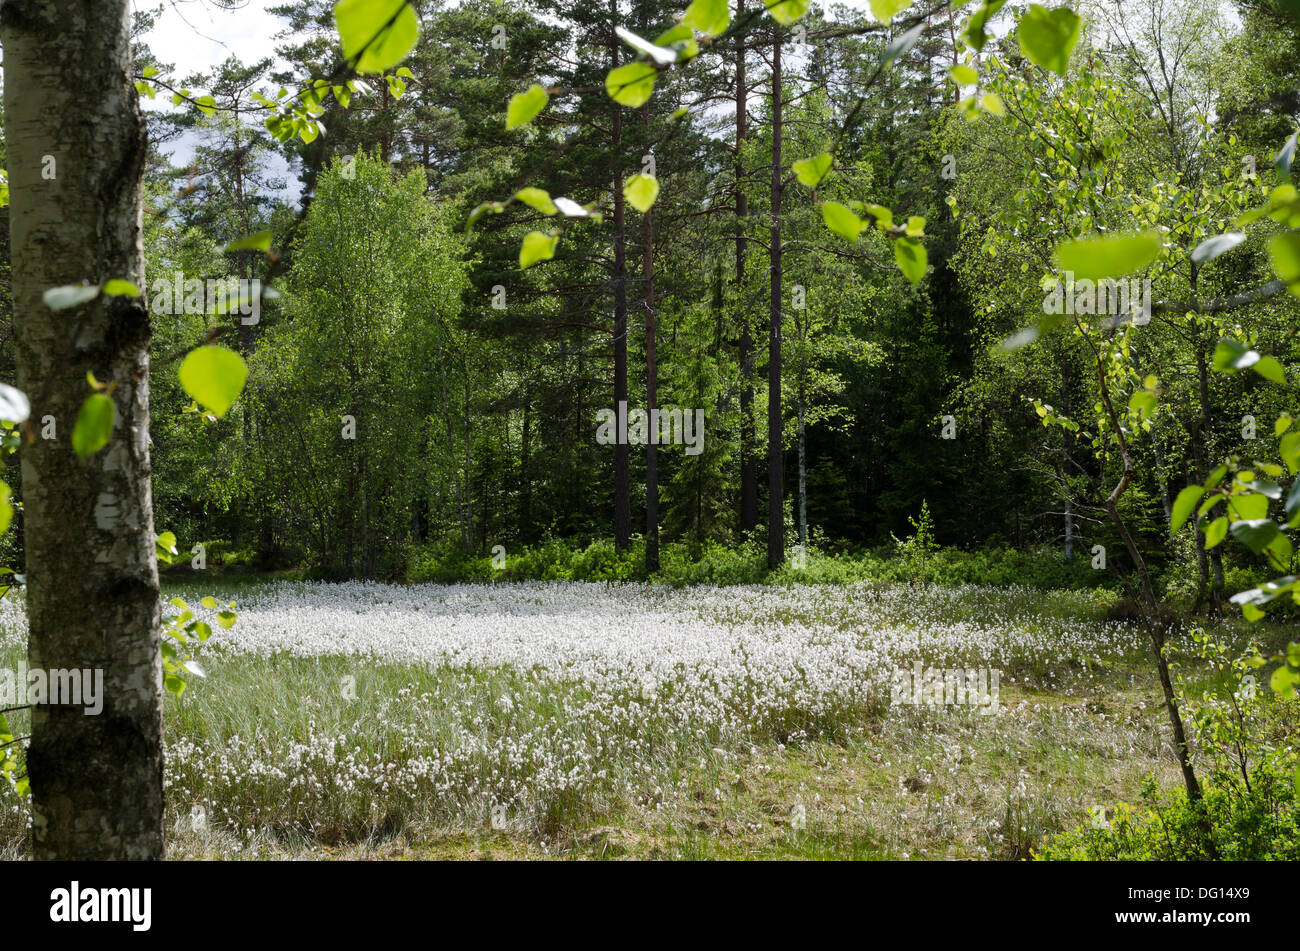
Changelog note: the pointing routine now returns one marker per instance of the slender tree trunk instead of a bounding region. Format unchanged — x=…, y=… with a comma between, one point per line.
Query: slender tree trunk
x=803, y=479
x=1200, y=455
x=97, y=781
x=622, y=476
x=748, y=459
x=1162, y=480
x=1069, y=530
x=651, y=377
x=469, y=462
x=1157, y=630
x=1065, y=468
x=775, y=458
x=525, y=487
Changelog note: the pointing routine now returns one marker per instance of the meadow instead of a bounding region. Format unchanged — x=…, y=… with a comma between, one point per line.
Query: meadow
x=579, y=719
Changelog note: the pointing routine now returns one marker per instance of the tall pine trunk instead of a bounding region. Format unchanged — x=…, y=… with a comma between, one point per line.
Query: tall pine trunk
x=651, y=375
x=97, y=781
x=748, y=459
x=622, y=475
x=775, y=458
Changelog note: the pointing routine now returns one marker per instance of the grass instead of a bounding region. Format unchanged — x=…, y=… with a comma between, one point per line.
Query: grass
x=344, y=757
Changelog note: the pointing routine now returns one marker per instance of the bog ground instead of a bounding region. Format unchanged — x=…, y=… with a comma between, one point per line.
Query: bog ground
x=593, y=720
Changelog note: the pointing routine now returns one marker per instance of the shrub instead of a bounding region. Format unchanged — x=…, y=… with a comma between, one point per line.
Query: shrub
x=1264, y=823
x=691, y=563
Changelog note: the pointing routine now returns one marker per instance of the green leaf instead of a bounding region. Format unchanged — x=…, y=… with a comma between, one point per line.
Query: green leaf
x=709, y=17
x=1216, y=531
x=1267, y=488
x=1270, y=369
x=786, y=12
x=6, y=508
x=881, y=216
x=886, y=10
x=572, y=209
x=964, y=75
x=164, y=547
x=377, y=34
x=1108, y=255
x=1287, y=155
x=641, y=192
x=1283, y=683
x=1048, y=37
x=537, y=247
x=214, y=376
x=1284, y=253
x=681, y=40
x=1183, y=505
x=1142, y=402
x=911, y=258
x=261, y=241
x=226, y=619
x=94, y=425
x=1293, y=499
x=70, y=295
x=811, y=171
x=657, y=53
x=1211, y=248
x=1250, y=506
x=1256, y=534
x=1279, y=552
x=14, y=405
x=121, y=288
x=631, y=84
x=538, y=199
x=842, y=221
x=1230, y=355
x=974, y=33
x=175, y=685
x=206, y=105
x=901, y=45
x=1288, y=448
x=524, y=106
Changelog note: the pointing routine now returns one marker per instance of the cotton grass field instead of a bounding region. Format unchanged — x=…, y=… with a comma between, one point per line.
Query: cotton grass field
x=593, y=720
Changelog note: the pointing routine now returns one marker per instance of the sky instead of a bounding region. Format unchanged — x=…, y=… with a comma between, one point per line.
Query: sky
x=196, y=34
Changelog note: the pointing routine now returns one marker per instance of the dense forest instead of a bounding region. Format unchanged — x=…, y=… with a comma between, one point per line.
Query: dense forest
x=414, y=395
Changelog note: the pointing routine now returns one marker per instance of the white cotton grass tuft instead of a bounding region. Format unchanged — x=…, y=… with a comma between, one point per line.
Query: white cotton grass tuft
x=531, y=705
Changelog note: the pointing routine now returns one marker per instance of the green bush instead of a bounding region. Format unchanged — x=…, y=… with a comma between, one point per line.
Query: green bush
x=1260, y=823
x=551, y=561
x=1242, y=748
x=686, y=563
